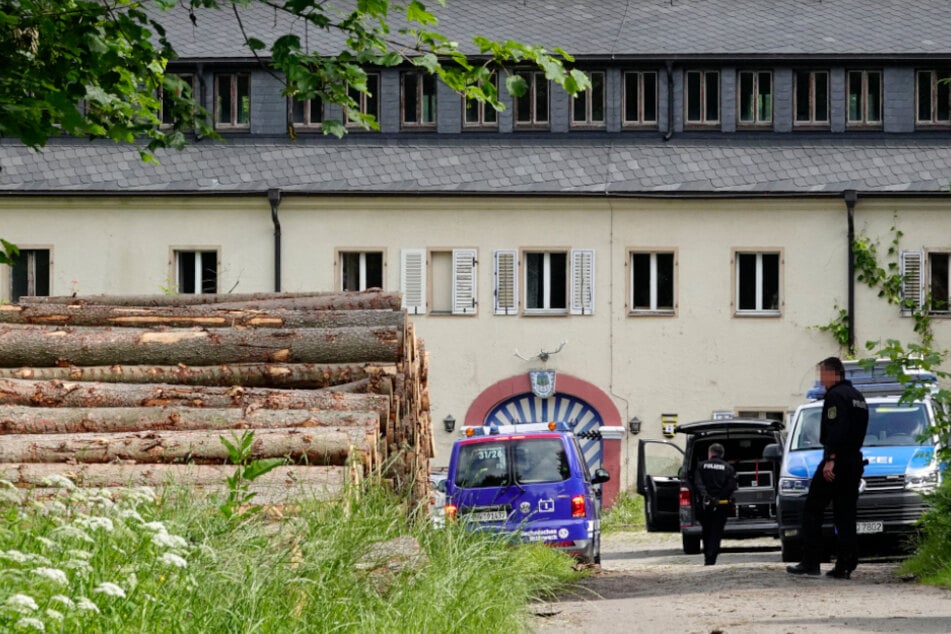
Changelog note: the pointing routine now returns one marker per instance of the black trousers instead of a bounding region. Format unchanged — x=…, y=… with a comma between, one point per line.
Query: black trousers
x=712, y=522
x=843, y=492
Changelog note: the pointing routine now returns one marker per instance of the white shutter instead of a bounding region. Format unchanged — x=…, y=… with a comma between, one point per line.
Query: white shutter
x=413, y=280
x=582, y=282
x=913, y=281
x=506, y=282
x=464, y=281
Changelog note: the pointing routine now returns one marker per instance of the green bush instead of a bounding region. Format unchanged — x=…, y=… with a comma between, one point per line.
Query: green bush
x=932, y=559
x=627, y=514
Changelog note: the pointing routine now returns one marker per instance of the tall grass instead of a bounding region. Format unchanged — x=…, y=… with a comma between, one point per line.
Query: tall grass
x=932, y=559
x=93, y=562
x=627, y=514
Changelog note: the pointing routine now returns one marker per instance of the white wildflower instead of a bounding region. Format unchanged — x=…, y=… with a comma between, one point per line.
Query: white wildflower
x=62, y=598
x=49, y=543
x=172, y=559
x=22, y=603
x=57, y=480
x=77, y=553
x=54, y=507
x=81, y=566
x=72, y=532
x=30, y=622
x=131, y=514
x=95, y=523
x=166, y=540
x=6, y=484
x=139, y=495
x=56, y=615
x=15, y=556
x=53, y=574
x=132, y=580
x=9, y=496
x=109, y=589
x=86, y=605
x=155, y=527
x=39, y=560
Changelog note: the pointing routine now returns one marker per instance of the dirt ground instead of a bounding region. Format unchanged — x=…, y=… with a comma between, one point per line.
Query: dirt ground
x=647, y=584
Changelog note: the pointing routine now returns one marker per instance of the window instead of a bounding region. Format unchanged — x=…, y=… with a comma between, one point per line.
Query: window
x=232, y=100
x=480, y=114
x=360, y=270
x=453, y=282
x=506, y=282
x=368, y=103
x=306, y=113
x=939, y=285
x=419, y=100
x=933, y=97
x=587, y=108
x=755, y=94
x=652, y=282
x=865, y=98
x=196, y=272
x=30, y=274
x=640, y=98
x=187, y=89
x=531, y=109
x=757, y=282
x=556, y=282
x=702, y=102
x=811, y=96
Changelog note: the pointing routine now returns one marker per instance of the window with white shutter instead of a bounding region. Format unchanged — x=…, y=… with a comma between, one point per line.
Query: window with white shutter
x=413, y=280
x=506, y=282
x=582, y=282
x=912, y=286
x=939, y=283
x=464, y=281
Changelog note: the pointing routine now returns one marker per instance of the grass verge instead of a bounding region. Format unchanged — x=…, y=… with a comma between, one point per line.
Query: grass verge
x=627, y=514
x=931, y=562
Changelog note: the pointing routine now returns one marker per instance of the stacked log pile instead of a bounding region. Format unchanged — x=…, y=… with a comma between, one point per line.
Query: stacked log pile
x=139, y=390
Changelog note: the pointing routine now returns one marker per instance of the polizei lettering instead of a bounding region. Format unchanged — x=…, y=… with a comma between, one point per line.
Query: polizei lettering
x=714, y=465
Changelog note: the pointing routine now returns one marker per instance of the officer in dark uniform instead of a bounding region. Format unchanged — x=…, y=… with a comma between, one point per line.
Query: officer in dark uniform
x=837, y=478
x=714, y=483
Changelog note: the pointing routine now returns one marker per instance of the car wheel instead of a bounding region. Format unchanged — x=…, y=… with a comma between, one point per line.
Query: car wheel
x=691, y=544
x=596, y=557
x=791, y=550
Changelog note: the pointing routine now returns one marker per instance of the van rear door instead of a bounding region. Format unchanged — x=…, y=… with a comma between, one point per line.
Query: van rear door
x=658, y=480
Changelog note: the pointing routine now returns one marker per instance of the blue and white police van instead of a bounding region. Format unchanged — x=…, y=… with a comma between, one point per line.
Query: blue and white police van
x=900, y=451
x=529, y=480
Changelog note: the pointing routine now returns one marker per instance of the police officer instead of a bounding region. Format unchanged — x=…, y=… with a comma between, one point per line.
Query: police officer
x=837, y=478
x=714, y=482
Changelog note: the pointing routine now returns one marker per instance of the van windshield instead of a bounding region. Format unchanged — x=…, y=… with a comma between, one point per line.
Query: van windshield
x=889, y=424
x=532, y=460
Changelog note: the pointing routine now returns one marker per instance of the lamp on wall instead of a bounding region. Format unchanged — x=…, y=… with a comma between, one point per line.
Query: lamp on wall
x=449, y=423
x=634, y=425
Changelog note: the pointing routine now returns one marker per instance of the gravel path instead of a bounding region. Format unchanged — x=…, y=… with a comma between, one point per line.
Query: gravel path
x=647, y=584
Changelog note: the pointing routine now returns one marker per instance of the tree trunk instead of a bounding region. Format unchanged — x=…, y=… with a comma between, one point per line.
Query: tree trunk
x=205, y=316
x=291, y=480
x=330, y=446
x=313, y=301
x=47, y=345
x=275, y=375
x=88, y=394
x=110, y=420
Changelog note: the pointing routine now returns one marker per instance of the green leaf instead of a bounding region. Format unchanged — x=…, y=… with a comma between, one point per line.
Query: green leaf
x=255, y=44
x=258, y=468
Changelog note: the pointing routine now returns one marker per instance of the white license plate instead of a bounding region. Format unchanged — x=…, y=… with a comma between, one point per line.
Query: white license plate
x=488, y=516
x=866, y=528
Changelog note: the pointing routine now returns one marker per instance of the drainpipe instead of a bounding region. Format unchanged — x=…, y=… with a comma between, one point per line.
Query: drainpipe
x=274, y=198
x=670, y=100
x=851, y=196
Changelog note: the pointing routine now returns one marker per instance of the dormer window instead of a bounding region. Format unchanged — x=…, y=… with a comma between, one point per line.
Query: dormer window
x=811, y=96
x=479, y=114
x=306, y=113
x=755, y=95
x=587, y=108
x=640, y=99
x=232, y=100
x=531, y=109
x=865, y=98
x=368, y=103
x=934, y=98
x=419, y=100
x=702, y=100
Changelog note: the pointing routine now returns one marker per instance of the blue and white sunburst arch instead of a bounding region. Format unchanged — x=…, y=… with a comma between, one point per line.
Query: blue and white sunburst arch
x=580, y=416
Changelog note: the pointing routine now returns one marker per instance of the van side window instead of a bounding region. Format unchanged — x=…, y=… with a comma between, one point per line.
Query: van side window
x=541, y=460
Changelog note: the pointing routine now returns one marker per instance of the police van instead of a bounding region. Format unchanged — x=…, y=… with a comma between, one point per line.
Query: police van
x=529, y=480
x=901, y=462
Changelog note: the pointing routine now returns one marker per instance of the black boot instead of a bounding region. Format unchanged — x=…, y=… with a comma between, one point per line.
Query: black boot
x=839, y=573
x=803, y=568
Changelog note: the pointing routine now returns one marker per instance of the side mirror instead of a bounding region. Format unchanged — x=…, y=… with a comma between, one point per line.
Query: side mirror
x=773, y=452
x=441, y=486
x=600, y=475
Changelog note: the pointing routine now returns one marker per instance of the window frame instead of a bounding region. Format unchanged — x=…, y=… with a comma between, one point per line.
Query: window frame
x=234, y=110
x=865, y=122
x=8, y=272
x=812, y=122
x=704, y=121
x=937, y=85
x=418, y=122
x=653, y=310
x=176, y=250
x=481, y=108
x=759, y=310
x=308, y=110
x=547, y=310
x=534, y=78
x=641, y=121
x=364, y=100
x=339, y=254
x=590, y=101
x=931, y=254
x=463, y=261
x=756, y=122
x=191, y=82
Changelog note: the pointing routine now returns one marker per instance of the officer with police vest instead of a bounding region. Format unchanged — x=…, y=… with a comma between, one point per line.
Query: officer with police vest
x=837, y=478
x=714, y=483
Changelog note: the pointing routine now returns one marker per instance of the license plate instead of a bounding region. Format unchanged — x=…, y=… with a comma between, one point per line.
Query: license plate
x=488, y=516
x=865, y=528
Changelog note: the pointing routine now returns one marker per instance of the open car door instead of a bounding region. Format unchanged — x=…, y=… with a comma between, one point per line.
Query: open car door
x=658, y=479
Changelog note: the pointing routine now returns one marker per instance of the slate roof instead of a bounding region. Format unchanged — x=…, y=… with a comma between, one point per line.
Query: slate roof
x=549, y=165
x=657, y=29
